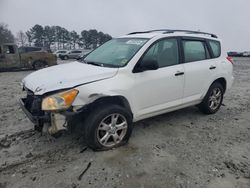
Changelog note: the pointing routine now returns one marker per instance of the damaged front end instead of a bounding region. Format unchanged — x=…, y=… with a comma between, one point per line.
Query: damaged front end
x=45, y=114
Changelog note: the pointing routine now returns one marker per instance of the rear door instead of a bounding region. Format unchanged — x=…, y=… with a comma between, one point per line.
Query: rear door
x=199, y=67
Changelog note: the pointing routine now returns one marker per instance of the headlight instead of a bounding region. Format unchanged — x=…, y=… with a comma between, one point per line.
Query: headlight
x=59, y=101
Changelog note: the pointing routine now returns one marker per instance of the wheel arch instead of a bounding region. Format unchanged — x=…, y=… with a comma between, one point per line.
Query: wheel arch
x=117, y=99
x=222, y=81
x=45, y=61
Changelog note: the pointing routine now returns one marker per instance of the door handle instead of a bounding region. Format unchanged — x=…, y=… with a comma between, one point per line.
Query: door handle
x=212, y=67
x=179, y=73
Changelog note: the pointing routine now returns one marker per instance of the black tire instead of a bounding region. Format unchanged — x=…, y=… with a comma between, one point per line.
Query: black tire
x=65, y=57
x=94, y=119
x=37, y=65
x=205, y=105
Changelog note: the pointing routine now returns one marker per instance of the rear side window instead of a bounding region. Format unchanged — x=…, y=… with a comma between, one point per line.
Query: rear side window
x=216, y=49
x=194, y=51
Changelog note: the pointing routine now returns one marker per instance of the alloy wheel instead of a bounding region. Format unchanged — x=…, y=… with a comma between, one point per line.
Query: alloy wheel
x=215, y=98
x=112, y=130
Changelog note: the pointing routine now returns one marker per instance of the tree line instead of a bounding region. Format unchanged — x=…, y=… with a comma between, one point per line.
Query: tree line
x=55, y=37
x=6, y=35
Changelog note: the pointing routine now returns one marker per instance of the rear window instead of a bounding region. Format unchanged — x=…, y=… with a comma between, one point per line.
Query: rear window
x=29, y=49
x=194, y=51
x=216, y=49
x=33, y=49
x=76, y=51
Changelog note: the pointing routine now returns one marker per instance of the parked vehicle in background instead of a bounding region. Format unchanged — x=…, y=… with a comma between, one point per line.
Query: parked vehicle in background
x=84, y=54
x=235, y=54
x=60, y=52
x=127, y=79
x=71, y=54
x=246, y=54
x=25, y=57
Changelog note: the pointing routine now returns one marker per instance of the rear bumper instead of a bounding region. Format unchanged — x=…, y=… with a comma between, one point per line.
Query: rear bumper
x=230, y=82
x=37, y=120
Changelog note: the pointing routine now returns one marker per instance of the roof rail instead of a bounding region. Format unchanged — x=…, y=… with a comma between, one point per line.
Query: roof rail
x=138, y=32
x=175, y=30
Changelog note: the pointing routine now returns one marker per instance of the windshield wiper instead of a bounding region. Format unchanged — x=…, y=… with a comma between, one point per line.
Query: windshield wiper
x=93, y=63
x=100, y=64
x=111, y=65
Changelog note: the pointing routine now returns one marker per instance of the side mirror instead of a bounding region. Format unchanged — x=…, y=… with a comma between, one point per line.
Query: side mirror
x=149, y=64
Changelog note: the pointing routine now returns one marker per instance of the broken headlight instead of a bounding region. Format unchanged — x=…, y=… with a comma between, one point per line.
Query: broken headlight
x=59, y=101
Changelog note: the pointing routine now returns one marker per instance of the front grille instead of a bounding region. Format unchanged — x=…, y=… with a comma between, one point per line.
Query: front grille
x=33, y=103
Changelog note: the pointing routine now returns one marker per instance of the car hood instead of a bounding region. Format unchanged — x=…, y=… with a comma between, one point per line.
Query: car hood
x=65, y=76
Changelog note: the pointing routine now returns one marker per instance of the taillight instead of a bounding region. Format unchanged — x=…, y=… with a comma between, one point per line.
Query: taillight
x=230, y=59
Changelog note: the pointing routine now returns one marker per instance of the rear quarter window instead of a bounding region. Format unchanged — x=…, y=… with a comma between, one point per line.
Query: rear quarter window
x=216, y=48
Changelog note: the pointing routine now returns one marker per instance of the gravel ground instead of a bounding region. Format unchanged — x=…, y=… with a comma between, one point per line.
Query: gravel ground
x=182, y=149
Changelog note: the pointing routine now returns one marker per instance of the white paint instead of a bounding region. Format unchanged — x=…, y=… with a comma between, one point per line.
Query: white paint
x=149, y=93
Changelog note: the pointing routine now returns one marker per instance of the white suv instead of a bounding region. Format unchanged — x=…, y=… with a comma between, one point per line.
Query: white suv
x=130, y=78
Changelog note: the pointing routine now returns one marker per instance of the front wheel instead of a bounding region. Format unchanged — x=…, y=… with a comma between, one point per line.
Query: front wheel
x=213, y=99
x=108, y=127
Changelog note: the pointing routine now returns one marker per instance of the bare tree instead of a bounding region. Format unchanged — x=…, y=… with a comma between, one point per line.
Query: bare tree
x=21, y=38
x=5, y=34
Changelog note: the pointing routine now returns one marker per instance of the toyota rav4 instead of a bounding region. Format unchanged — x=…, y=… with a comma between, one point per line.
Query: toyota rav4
x=127, y=79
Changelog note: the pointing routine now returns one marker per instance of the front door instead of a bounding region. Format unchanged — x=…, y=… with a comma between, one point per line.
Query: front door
x=158, y=90
x=9, y=57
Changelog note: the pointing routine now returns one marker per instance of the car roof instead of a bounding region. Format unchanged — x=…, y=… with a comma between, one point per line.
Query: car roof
x=164, y=33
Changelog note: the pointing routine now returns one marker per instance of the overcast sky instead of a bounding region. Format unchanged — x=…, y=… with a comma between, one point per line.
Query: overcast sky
x=229, y=19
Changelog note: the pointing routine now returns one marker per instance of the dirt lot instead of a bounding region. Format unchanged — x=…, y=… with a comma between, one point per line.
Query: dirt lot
x=183, y=149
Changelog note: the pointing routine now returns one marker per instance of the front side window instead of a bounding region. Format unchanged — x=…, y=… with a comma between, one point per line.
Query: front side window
x=194, y=51
x=165, y=52
x=215, y=46
x=9, y=49
x=116, y=52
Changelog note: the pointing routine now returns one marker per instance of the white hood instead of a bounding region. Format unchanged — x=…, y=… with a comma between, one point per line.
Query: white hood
x=65, y=76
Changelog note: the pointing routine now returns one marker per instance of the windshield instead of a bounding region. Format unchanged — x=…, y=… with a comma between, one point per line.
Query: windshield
x=116, y=52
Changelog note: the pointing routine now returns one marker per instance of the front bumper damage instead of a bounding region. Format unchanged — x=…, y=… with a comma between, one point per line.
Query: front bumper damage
x=50, y=122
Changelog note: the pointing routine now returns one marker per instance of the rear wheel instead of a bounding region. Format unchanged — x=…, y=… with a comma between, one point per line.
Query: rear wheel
x=65, y=57
x=108, y=127
x=213, y=99
x=39, y=65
